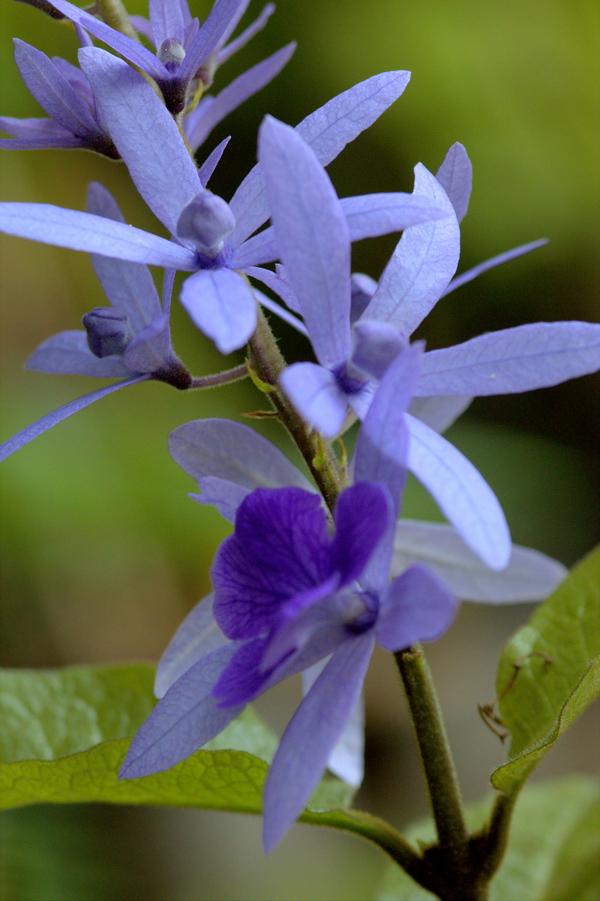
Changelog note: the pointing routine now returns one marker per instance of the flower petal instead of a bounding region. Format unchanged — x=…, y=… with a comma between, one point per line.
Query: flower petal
x=206, y=170
x=91, y=234
x=421, y=266
x=439, y=413
x=184, y=720
x=529, y=576
x=197, y=637
x=253, y=29
x=347, y=760
x=456, y=178
x=328, y=130
x=129, y=286
x=362, y=515
x=372, y=215
x=214, y=31
x=417, y=607
x=223, y=456
x=203, y=120
x=68, y=353
x=461, y=493
x=279, y=550
x=222, y=305
x=52, y=90
x=144, y=133
x=311, y=735
x=316, y=395
x=51, y=419
x=465, y=277
x=167, y=21
x=513, y=360
x=312, y=237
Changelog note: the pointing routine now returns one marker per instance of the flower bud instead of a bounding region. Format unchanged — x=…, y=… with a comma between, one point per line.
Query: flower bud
x=108, y=331
x=171, y=54
x=206, y=221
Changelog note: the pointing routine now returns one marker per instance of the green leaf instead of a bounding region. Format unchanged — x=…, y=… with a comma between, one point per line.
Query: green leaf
x=554, y=849
x=549, y=672
x=65, y=734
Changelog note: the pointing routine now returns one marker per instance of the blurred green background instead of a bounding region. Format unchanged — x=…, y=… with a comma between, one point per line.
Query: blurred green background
x=103, y=553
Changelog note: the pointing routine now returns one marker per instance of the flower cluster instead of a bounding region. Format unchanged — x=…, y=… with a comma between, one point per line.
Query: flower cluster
x=297, y=588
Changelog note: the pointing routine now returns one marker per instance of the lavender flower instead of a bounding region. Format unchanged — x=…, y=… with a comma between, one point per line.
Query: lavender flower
x=129, y=340
x=309, y=229
x=288, y=595
x=65, y=94
x=210, y=237
x=187, y=53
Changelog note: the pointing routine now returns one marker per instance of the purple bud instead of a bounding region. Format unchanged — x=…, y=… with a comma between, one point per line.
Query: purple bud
x=108, y=331
x=206, y=221
x=171, y=53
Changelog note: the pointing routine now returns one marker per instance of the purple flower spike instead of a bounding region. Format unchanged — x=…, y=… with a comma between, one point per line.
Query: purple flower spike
x=65, y=95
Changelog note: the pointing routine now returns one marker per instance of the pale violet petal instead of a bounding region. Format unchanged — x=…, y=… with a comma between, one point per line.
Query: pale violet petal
x=416, y=607
x=68, y=353
x=465, y=277
x=316, y=395
x=439, y=413
x=456, y=178
x=222, y=305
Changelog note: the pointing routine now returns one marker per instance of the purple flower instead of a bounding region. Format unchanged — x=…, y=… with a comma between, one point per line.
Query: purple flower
x=356, y=326
x=211, y=239
x=129, y=340
x=187, y=53
x=65, y=94
x=288, y=594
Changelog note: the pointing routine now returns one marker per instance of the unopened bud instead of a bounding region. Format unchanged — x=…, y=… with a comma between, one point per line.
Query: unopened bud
x=171, y=54
x=108, y=331
x=206, y=221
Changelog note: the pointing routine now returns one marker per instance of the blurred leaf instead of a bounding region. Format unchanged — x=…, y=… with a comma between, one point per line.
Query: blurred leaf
x=554, y=850
x=549, y=672
x=65, y=734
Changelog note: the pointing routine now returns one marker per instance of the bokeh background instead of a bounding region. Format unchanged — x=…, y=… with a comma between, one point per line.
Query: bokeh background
x=103, y=553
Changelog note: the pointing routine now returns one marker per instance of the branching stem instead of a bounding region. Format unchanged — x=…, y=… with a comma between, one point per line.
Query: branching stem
x=227, y=377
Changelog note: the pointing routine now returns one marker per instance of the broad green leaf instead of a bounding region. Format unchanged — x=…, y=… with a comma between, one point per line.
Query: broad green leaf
x=553, y=853
x=549, y=672
x=65, y=734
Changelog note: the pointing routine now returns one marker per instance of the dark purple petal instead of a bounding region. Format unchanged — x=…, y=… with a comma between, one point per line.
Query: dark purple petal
x=312, y=238
x=416, y=607
x=222, y=305
x=328, y=131
x=91, y=234
x=206, y=170
x=183, y=721
x=242, y=679
x=126, y=46
x=315, y=393
x=204, y=119
x=311, y=735
x=129, y=286
x=51, y=419
x=439, y=413
x=68, y=353
x=456, y=178
x=229, y=460
x=362, y=515
x=465, y=277
x=52, y=90
x=461, y=493
x=280, y=549
x=513, y=360
x=529, y=576
x=422, y=265
x=197, y=637
x=253, y=29
x=144, y=133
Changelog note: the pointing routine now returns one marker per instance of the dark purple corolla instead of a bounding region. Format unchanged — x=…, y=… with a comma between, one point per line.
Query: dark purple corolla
x=129, y=340
x=64, y=92
x=187, y=53
x=211, y=239
x=288, y=594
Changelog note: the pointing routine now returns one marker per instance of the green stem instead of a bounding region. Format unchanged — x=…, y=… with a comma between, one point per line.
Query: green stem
x=227, y=377
x=494, y=838
x=267, y=361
